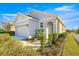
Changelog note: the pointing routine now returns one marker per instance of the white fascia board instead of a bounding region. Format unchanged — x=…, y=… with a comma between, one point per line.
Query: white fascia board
x=21, y=24
x=30, y=18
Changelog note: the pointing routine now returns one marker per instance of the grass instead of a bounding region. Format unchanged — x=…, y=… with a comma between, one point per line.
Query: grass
x=9, y=47
x=4, y=37
x=71, y=48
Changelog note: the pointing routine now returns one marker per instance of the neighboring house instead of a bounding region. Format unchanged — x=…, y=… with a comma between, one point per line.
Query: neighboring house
x=25, y=25
x=7, y=26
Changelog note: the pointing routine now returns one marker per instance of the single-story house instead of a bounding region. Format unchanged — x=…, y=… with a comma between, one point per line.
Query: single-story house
x=25, y=25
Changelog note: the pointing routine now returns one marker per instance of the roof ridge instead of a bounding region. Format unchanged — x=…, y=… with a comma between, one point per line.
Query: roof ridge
x=43, y=12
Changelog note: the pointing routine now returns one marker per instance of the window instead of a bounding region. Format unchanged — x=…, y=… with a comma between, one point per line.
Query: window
x=27, y=25
x=41, y=24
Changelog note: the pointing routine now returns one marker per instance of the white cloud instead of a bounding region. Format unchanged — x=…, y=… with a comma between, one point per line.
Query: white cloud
x=8, y=14
x=72, y=20
x=64, y=8
x=7, y=17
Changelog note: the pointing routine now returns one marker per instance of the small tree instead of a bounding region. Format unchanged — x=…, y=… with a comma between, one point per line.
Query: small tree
x=40, y=35
x=50, y=38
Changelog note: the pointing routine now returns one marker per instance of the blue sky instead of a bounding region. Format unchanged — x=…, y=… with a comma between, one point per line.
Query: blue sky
x=69, y=13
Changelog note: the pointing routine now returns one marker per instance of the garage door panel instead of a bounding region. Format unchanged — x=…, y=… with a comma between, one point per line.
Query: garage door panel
x=22, y=30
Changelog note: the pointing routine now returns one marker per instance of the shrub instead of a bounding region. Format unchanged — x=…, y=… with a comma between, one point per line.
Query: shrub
x=38, y=33
x=42, y=41
x=15, y=48
x=78, y=31
x=9, y=32
x=58, y=44
x=4, y=37
x=50, y=39
x=55, y=37
x=1, y=29
x=50, y=51
x=62, y=35
x=47, y=52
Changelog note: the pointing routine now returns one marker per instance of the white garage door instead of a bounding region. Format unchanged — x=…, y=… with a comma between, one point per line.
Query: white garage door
x=21, y=31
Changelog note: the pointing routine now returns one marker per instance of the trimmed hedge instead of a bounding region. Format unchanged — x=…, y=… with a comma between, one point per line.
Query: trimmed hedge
x=9, y=32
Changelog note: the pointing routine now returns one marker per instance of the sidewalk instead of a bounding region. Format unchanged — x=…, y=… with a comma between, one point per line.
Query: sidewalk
x=76, y=37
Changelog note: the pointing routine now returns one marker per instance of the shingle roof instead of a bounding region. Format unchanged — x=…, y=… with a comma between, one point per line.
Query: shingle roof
x=44, y=13
x=40, y=14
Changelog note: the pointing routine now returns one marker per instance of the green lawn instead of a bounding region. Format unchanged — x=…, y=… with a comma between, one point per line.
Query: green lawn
x=71, y=48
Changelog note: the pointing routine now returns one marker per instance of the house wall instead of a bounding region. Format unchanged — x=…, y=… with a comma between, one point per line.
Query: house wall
x=43, y=17
x=45, y=25
x=21, y=22
x=57, y=26
x=32, y=25
x=21, y=19
x=25, y=26
x=60, y=28
x=63, y=29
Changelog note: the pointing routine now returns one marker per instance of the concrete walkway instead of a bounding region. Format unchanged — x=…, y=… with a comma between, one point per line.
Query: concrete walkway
x=76, y=37
x=34, y=45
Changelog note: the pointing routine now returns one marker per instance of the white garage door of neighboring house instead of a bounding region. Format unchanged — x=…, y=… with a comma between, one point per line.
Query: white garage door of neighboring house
x=21, y=30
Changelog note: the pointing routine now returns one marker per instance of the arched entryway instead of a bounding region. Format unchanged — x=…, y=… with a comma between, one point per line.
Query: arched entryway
x=50, y=27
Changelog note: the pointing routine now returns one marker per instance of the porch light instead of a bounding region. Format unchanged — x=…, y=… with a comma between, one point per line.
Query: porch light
x=30, y=36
